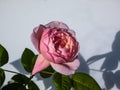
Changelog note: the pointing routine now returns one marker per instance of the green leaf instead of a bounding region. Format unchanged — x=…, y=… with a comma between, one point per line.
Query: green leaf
x=19, y=78
x=2, y=77
x=28, y=60
x=14, y=86
x=82, y=81
x=32, y=86
x=3, y=56
x=47, y=72
x=33, y=62
x=62, y=82
x=22, y=79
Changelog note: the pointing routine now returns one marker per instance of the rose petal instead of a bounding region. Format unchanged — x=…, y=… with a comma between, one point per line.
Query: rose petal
x=40, y=64
x=72, y=32
x=36, y=35
x=34, y=40
x=74, y=65
x=56, y=24
x=66, y=68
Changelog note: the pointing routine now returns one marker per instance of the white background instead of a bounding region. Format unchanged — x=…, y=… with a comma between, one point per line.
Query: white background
x=96, y=23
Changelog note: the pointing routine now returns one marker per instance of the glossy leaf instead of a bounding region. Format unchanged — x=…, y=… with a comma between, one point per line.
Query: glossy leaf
x=27, y=60
x=14, y=86
x=32, y=86
x=19, y=78
x=22, y=79
x=2, y=77
x=82, y=81
x=33, y=61
x=3, y=56
x=47, y=72
x=61, y=82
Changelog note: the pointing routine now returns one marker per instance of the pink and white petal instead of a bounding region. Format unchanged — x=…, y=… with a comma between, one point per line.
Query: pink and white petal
x=57, y=24
x=34, y=41
x=39, y=31
x=62, y=68
x=74, y=64
x=66, y=68
x=36, y=35
x=40, y=64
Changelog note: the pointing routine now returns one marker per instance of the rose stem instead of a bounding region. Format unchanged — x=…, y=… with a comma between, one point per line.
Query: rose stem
x=11, y=71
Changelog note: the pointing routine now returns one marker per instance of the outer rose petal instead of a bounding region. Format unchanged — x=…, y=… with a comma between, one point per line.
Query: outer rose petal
x=40, y=64
x=57, y=24
x=36, y=35
x=34, y=40
x=66, y=68
x=72, y=32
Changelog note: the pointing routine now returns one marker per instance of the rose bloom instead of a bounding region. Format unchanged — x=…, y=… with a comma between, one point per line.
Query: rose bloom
x=57, y=46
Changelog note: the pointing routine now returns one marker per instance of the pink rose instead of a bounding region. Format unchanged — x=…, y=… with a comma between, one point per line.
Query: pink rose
x=57, y=46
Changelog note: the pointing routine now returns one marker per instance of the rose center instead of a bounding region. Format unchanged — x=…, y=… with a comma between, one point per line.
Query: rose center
x=61, y=40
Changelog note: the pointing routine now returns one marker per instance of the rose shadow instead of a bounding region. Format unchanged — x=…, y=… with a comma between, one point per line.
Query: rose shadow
x=83, y=65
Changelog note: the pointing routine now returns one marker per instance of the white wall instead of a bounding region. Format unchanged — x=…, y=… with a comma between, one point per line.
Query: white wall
x=95, y=21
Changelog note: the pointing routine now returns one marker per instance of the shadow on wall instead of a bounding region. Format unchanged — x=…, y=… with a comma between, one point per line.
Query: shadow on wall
x=48, y=82
x=83, y=65
x=110, y=63
x=17, y=64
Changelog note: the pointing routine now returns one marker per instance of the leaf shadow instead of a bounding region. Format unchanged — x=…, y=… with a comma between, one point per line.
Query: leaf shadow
x=47, y=82
x=111, y=61
x=17, y=64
